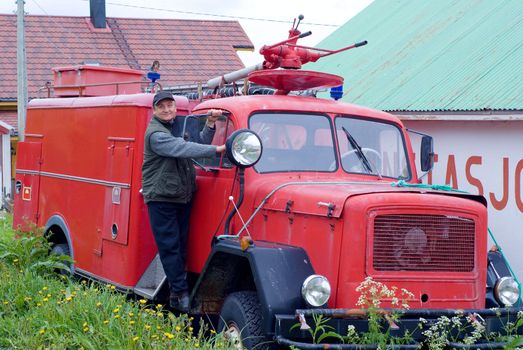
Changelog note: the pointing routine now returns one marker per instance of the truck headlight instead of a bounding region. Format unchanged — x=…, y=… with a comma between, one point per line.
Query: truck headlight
x=506, y=291
x=244, y=148
x=316, y=290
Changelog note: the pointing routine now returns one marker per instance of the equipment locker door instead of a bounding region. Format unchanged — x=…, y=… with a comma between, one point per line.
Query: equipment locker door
x=118, y=194
x=27, y=184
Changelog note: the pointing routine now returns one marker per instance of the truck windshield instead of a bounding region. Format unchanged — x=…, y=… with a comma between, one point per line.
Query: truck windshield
x=381, y=143
x=294, y=142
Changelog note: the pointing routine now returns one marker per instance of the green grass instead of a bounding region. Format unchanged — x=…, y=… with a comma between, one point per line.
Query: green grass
x=40, y=309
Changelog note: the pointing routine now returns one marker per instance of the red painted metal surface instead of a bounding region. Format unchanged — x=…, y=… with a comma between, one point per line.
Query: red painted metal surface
x=96, y=81
x=292, y=80
x=423, y=243
x=27, y=184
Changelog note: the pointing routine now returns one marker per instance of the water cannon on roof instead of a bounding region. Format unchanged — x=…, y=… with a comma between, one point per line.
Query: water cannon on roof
x=282, y=63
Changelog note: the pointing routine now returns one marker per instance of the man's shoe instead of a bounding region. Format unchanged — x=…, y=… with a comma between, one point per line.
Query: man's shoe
x=179, y=301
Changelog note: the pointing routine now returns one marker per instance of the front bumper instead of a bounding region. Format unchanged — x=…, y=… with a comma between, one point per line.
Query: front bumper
x=500, y=327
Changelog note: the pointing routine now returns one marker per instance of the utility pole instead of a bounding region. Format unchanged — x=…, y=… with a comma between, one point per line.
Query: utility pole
x=21, y=69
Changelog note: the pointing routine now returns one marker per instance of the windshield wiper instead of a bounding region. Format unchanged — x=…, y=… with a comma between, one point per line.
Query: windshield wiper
x=359, y=152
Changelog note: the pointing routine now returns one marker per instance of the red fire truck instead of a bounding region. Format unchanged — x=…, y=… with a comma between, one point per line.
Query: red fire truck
x=312, y=197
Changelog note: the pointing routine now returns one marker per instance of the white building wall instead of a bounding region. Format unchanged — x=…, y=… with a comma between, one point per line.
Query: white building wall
x=6, y=167
x=484, y=157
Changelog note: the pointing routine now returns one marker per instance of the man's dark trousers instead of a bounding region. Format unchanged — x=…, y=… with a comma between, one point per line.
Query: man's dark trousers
x=170, y=223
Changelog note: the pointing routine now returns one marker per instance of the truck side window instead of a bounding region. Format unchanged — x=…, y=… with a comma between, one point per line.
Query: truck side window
x=224, y=128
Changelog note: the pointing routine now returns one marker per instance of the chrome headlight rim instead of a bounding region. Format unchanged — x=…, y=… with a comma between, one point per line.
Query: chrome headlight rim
x=506, y=291
x=316, y=290
x=244, y=148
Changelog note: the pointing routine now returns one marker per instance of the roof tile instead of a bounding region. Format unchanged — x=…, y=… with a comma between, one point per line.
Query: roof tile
x=180, y=45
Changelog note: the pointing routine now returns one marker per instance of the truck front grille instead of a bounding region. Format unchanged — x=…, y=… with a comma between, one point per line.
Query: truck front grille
x=423, y=243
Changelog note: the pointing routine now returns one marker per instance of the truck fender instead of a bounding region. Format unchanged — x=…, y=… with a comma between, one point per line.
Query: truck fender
x=275, y=271
x=56, y=221
x=496, y=268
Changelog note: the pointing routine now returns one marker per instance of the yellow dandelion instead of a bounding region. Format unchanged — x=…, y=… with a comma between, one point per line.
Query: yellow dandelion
x=154, y=336
x=98, y=304
x=178, y=328
x=38, y=304
x=48, y=295
x=44, y=288
x=6, y=302
x=168, y=335
x=213, y=331
x=85, y=324
x=86, y=329
x=158, y=327
x=190, y=329
x=116, y=316
x=143, y=301
x=15, y=260
x=106, y=322
x=42, y=331
x=131, y=322
x=45, y=299
x=197, y=345
x=135, y=339
x=68, y=298
x=131, y=314
x=116, y=310
x=147, y=327
x=40, y=292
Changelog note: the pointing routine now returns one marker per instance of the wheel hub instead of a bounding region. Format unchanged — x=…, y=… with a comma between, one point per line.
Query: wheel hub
x=233, y=335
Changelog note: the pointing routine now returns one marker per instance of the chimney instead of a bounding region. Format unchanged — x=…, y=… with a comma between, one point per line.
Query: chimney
x=97, y=8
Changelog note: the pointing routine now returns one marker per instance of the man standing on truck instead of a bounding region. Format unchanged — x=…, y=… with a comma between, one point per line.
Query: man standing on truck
x=168, y=183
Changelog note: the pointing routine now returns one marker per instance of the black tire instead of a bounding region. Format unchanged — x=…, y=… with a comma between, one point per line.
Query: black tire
x=63, y=249
x=241, y=312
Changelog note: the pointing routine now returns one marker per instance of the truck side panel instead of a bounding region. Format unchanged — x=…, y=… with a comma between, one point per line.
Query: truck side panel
x=90, y=175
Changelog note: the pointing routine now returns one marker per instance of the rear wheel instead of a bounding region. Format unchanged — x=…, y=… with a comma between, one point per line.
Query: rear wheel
x=62, y=249
x=241, y=321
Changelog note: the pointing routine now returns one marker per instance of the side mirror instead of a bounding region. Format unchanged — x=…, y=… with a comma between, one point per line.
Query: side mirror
x=244, y=148
x=426, y=153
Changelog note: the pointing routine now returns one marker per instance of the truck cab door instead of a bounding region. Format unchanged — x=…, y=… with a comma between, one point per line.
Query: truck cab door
x=27, y=185
x=210, y=199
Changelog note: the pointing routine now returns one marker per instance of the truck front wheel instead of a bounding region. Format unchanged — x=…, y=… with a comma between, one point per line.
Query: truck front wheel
x=241, y=320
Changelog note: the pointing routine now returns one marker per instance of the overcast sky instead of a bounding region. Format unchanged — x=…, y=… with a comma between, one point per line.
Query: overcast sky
x=264, y=21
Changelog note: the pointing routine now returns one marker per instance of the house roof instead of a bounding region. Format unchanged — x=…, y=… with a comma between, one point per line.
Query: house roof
x=9, y=118
x=189, y=51
x=443, y=55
